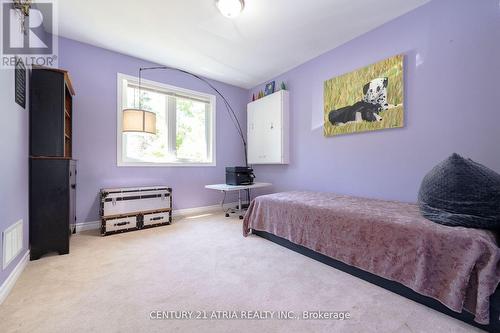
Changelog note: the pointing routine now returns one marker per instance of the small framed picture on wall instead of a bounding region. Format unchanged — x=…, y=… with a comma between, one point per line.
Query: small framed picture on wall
x=20, y=83
x=269, y=88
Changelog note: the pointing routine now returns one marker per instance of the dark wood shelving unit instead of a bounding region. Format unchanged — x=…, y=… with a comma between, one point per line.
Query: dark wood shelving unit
x=52, y=120
x=52, y=168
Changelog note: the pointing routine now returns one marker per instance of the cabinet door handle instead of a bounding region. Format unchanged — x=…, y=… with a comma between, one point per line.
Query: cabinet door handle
x=73, y=185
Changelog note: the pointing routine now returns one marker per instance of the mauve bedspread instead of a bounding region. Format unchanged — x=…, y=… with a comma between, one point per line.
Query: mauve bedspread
x=455, y=265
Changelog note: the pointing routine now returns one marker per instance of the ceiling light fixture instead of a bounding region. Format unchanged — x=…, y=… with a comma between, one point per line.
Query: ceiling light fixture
x=230, y=8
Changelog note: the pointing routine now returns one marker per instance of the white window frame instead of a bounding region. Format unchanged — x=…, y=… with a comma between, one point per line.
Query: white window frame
x=120, y=100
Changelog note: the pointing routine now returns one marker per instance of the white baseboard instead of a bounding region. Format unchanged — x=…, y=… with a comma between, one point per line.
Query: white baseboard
x=84, y=226
x=92, y=225
x=9, y=283
x=201, y=210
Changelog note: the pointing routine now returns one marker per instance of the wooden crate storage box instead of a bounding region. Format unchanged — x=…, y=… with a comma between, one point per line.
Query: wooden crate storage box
x=127, y=209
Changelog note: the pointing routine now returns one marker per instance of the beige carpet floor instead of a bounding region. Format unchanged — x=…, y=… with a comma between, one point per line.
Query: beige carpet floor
x=111, y=284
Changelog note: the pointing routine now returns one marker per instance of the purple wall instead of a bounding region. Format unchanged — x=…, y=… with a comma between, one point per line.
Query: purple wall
x=13, y=166
x=452, y=87
x=94, y=72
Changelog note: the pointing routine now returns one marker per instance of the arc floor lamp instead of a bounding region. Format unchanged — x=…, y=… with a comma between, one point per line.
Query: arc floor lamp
x=139, y=120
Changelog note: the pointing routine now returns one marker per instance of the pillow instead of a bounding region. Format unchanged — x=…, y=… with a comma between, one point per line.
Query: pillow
x=461, y=192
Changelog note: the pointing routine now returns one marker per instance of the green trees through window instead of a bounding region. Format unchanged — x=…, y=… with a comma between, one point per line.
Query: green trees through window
x=184, y=126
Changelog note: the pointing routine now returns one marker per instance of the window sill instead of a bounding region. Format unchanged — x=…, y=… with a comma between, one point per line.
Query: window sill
x=146, y=164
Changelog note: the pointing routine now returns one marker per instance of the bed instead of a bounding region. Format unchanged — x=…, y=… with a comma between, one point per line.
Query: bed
x=454, y=270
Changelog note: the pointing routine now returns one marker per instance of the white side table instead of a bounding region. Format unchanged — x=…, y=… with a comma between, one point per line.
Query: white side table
x=229, y=188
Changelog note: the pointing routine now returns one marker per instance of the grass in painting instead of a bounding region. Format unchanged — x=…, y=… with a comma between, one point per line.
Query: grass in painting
x=347, y=89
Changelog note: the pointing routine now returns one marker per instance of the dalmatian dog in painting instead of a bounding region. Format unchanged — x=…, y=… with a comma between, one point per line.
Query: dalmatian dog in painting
x=358, y=112
x=375, y=92
x=374, y=101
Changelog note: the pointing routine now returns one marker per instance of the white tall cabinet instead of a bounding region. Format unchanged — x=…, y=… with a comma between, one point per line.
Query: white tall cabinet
x=268, y=129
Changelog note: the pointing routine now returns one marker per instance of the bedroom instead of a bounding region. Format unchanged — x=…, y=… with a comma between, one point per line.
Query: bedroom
x=434, y=62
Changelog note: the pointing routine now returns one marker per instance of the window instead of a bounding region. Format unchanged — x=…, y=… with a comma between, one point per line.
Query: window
x=185, y=125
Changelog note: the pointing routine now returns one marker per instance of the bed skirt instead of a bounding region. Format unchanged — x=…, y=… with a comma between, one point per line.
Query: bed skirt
x=395, y=287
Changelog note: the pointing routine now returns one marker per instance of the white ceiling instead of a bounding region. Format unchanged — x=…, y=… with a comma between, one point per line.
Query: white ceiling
x=267, y=39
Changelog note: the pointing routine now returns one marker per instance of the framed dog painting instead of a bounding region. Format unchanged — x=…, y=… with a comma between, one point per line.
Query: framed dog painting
x=368, y=99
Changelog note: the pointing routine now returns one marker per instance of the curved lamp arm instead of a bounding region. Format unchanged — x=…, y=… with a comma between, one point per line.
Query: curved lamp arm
x=231, y=113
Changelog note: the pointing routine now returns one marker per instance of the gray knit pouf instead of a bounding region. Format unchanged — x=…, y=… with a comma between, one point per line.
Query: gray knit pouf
x=461, y=192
